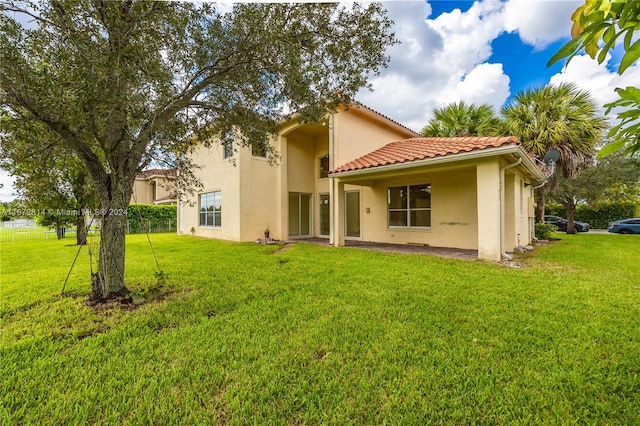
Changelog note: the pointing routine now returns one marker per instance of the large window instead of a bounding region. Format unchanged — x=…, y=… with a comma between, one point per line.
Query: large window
x=409, y=206
x=211, y=209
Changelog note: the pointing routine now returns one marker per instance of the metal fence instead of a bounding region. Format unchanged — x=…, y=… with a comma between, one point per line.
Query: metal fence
x=20, y=231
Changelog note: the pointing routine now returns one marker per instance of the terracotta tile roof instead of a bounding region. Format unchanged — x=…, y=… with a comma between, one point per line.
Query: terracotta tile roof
x=146, y=174
x=422, y=148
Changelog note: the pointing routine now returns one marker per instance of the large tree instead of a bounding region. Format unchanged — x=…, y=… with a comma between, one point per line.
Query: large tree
x=49, y=178
x=558, y=117
x=615, y=178
x=597, y=26
x=120, y=81
x=461, y=119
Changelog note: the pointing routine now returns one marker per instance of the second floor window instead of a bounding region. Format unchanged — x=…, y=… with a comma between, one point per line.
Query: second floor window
x=259, y=149
x=324, y=167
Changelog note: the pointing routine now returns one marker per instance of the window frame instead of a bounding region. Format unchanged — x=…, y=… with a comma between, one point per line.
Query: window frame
x=210, y=210
x=227, y=149
x=263, y=153
x=320, y=168
x=408, y=209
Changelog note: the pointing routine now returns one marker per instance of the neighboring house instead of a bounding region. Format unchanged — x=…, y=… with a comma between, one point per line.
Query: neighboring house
x=363, y=176
x=154, y=186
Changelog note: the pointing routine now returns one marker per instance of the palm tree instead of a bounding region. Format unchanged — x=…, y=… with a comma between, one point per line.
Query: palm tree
x=460, y=119
x=558, y=117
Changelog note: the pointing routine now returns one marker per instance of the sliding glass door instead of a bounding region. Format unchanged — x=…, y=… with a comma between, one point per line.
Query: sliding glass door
x=352, y=214
x=299, y=214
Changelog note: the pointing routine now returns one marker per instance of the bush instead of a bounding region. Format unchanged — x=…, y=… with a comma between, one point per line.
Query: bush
x=600, y=217
x=597, y=217
x=555, y=209
x=148, y=211
x=544, y=231
x=146, y=217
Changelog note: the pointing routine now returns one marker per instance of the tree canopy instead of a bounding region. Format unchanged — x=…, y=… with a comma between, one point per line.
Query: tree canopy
x=119, y=82
x=597, y=26
x=461, y=119
x=558, y=117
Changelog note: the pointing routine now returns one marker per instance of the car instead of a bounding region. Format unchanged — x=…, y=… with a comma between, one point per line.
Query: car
x=625, y=226
x=561, y=223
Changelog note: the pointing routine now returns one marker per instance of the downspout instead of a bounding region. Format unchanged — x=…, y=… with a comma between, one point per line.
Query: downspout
x=503, y=253
x=331, y=181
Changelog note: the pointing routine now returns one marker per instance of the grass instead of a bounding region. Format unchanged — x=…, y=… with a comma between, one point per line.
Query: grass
x=320, y=335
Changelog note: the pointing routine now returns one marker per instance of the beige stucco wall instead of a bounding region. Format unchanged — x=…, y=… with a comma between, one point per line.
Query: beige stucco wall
x=453, y=210
x=143, y=189
x=141, y=193
x=356, y=135
x=216, y=174
x=259, y=196
x=164, y=187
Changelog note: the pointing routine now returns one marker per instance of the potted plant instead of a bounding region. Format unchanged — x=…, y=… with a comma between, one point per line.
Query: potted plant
x=266, y=232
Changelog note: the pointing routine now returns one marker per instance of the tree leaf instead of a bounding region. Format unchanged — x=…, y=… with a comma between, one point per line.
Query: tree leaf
x=632, y=55
x=568, y=49
x=610, y=148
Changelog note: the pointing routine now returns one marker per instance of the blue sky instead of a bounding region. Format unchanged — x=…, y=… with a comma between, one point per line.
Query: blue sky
x=482, y=52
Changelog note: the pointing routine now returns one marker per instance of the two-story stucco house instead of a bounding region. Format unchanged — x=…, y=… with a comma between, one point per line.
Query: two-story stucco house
x=360, y=175
x=154, y=186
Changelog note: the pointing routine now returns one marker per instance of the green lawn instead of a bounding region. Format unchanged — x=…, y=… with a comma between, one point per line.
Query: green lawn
x=319, y=335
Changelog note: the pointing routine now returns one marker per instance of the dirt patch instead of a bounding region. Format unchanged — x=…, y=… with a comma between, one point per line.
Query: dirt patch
x=127, y=300
x=284, y=248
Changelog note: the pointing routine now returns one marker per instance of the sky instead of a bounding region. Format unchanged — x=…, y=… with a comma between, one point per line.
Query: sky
x=477, y=52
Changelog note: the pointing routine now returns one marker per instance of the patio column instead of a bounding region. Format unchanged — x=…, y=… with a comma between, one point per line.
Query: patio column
x=282, y=230
x=337, y=207
x=488, y=193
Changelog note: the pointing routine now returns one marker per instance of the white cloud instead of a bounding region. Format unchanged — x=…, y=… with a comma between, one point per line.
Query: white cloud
x=596, y=78
x=485, y=84
x=6, y=191
x=540, y=22
x=440, y=60
x=445, y=59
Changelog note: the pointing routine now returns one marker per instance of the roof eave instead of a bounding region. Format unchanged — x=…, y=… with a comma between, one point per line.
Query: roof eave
x=450, y=158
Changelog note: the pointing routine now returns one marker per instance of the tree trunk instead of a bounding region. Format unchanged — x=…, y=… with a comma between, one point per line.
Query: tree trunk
x=59, y=232
x=81, y=229
x=540, y=203
x=570, y=208
x=108, y=281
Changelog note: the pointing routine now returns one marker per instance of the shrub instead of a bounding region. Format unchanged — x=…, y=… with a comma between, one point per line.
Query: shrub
x=544, y=231
x=600, y=217
x=146, y=217
x=597, y=217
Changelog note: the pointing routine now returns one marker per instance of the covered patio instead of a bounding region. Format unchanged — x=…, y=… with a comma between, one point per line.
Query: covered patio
x=472, y=194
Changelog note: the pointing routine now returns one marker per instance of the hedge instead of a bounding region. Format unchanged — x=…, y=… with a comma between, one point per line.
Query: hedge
x=598, y=217
x=146, y=217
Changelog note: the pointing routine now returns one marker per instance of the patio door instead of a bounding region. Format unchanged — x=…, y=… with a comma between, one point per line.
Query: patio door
x=352, y=214
x=299, y=214
x=324, y=215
